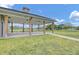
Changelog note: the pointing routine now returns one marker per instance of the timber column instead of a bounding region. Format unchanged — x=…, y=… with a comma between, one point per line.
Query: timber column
x=5, y=25
x=44, y=27
x=12, y=24
x=30, y=26
x=52, y=27
x=0, y=26
x=23, y=27
x=38, y=27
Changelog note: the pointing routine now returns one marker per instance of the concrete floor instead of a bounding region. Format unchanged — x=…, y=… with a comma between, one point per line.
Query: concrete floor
x=20, y=34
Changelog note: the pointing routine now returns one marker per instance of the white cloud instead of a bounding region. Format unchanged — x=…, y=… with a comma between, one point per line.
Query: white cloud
x=59, y=21
x=74, y=18
x=74, y=15
x=7, y=5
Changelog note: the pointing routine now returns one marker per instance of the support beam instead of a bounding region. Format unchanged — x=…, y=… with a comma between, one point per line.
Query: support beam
x=11, y=26
x=2, y=25
x=30, y=27
x=44, y=27
x=23, y=27
x=52, y=27
x=5, y=25
x=38, y=27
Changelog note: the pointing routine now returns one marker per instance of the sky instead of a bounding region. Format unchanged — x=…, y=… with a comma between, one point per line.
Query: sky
x=61, y=12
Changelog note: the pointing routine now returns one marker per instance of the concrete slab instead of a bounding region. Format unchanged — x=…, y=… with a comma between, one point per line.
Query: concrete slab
x=22, y=34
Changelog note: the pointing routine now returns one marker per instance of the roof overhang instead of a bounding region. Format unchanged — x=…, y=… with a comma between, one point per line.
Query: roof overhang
x=21, y=16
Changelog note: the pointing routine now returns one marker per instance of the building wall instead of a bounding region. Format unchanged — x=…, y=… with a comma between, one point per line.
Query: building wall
x=0, y=26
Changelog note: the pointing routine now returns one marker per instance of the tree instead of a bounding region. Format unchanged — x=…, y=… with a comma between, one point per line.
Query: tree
x=77, y=28
x=49, y=27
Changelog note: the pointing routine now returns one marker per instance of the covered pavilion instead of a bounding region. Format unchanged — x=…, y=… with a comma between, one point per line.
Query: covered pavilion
x=14, y=16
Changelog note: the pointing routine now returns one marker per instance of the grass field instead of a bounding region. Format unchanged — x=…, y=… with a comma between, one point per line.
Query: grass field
x=70, y=33
x=36, y=45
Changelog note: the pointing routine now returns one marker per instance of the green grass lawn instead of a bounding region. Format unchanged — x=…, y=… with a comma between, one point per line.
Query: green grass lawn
x=38, y=45
x=70, y=33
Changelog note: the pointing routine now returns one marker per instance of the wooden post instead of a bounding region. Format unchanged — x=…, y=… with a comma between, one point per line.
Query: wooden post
x=44, y=27
x=30, y=27
x=12, y=25
x=23, y=27
x=52, y=27
x=5, y=25
x=38, y=27
x=2, y=25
